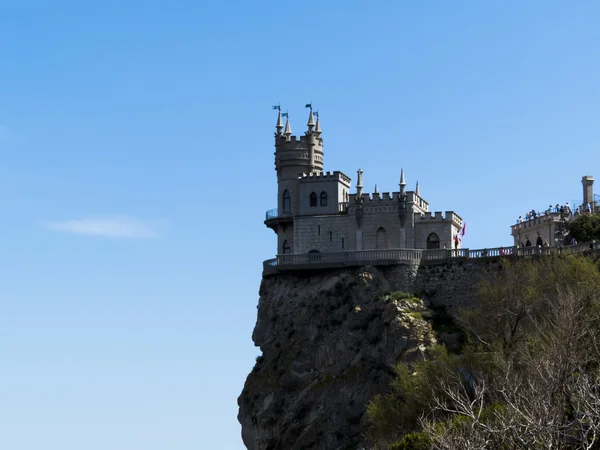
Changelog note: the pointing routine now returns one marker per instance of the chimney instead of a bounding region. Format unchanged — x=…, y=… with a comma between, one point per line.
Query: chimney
x=588, y=191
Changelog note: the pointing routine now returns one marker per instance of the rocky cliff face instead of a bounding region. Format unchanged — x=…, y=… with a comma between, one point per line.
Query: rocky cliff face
x=328, y=343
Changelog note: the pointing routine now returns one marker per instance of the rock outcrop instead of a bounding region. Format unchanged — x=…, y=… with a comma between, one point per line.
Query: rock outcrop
x=329, y=341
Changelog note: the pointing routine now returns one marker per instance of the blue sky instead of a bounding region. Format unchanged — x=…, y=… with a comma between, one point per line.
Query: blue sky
x=136, y=165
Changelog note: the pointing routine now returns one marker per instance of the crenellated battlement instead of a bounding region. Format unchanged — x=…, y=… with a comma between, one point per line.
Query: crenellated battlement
x=293, y=142
x=325, y=176
x=442, y=216
x=411, y=197
x=376, y=197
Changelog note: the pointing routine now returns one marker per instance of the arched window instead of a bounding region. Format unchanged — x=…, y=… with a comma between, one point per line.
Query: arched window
x=323, y=198
x=313, y=200
x=528, y=243
x=539, y=242
x=286, y=247
x=433, y=241
x=287, y=201
x=381, y=238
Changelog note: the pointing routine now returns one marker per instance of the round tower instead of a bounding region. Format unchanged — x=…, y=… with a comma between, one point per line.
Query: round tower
x=293, y=157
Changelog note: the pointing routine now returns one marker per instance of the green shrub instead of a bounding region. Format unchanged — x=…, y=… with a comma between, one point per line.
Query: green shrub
x=413, y=441
x=399, y=295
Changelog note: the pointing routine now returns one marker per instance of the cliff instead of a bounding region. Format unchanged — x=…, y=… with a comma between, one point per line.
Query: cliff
x=329, y=341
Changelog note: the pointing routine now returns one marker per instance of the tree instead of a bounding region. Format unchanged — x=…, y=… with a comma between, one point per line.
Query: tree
x=586, y=227
x=530, y=378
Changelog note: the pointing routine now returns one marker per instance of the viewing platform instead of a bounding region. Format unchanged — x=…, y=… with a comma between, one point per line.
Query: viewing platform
x=389, y=257
x=277, y=215
x=274, y=217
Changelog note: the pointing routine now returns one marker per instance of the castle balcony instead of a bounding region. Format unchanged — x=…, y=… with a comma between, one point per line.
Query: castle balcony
x=536, y=222
x=276, y=217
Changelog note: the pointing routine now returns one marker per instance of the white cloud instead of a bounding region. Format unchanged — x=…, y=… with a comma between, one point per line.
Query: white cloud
x=113, y=227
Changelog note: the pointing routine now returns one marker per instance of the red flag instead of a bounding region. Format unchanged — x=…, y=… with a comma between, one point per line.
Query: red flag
x=464, y=228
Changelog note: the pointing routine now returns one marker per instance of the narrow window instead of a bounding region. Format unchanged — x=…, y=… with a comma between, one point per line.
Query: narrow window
x=286, y=247
x=331, y=236
x=287, y=201
x=313, y=200
x=323, y=198
x=318, y=230
x=342, y=242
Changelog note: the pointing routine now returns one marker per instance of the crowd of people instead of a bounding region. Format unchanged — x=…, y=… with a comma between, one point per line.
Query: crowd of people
x=564, y=210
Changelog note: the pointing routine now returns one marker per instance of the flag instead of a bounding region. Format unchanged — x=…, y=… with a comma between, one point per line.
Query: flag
x=277, y=107
x=308, y=105
x=464, y=229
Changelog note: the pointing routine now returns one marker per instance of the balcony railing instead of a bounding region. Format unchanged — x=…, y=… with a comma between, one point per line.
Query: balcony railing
x=414, y=256
x=276, y=213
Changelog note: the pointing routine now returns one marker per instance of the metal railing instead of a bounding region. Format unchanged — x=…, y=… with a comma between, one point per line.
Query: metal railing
x=275, y=213
x=414, y=256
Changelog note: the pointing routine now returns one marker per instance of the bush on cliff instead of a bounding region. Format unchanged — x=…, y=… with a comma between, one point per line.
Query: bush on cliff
x=530, y=379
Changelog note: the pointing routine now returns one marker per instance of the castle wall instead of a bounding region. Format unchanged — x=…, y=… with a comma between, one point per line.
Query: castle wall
x=331, y=185
x=381, y=226
x=294, y=189
x=425, y=225
x=543, y=227
x=308, y=236
x=285, y=232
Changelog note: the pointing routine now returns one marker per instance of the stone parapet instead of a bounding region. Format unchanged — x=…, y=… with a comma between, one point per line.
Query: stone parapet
x=408, y=256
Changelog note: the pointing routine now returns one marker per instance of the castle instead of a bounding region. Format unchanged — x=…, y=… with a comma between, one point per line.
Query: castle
x=316, y=213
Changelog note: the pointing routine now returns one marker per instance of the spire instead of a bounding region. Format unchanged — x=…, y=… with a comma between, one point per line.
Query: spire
x=279, y=125
x=417, y=189
x=359, y=186
x=311, y=120
x=402, y=182
x=288, y=129
x=318, y=127
x=376, y=191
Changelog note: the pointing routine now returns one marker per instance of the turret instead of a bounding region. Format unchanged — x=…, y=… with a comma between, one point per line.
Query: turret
x=311, y=138
x=402, y=183
x=417, y=190
x=311, y=121
x=318, y=127
x=279, y=125
x=359, y=185
x=588, y=190
x=288, y=128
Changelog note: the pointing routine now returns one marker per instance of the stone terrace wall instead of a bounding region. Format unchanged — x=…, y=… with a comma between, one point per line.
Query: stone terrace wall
x=451, y=283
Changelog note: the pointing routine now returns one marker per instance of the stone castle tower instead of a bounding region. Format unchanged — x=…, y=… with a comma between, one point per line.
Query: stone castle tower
x=295, y=156
x=317, y=214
